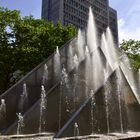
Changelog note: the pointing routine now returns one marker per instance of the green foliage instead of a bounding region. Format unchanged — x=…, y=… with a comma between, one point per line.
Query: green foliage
x=132, y=49
x=25, y=42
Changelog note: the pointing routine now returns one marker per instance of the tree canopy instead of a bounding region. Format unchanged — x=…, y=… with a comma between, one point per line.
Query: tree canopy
x=132, y=49
x=25, y=42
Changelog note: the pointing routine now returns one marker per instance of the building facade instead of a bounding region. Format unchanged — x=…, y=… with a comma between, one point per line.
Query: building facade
x=75, y=12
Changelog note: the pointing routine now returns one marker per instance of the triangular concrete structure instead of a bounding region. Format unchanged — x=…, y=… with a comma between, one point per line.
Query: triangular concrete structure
x=130, y=111
x=115, y=108
x=31, y=116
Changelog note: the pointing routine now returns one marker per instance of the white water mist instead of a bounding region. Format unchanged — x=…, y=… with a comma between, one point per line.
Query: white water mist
x=91, y=32
x=45, y=74
x=21, y=125
x=70, y=58
x=57, y=65
x=80, y=45
x=111, y=49
x=23, y=101
x=43, y=109
x=128, y=72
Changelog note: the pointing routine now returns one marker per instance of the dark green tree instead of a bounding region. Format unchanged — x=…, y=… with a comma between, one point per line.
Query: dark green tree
x=25, y=42
x=132, y=49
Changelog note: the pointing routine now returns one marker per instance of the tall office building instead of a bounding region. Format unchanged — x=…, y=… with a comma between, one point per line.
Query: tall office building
x=76, y=12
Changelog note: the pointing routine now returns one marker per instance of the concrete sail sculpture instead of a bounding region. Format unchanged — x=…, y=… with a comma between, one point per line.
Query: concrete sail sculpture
x=88, y=91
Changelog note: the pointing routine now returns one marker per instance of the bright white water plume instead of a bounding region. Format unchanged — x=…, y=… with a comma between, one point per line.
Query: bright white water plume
x=2, y=108
x=107, y=45
x=23, y=102
x=76, y=130
x=88, y=67
x=57, y=65
x=20, y=124
x=105, y=49
x=111, y=49
x=70, y=58
x=43, y=109
x=97, y=70
x=45, y=74
x=91, y=32
x=80, y=45
x=75, y=61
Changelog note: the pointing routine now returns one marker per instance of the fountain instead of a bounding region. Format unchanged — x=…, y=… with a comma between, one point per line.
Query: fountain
x=105, y=48
x=20, y=126
x=102, y=74
x=45, y=75
x=75, y=61
x=57, y=65
x=119, y=86
x=80, y=45
x=97, y=70
x=23, y=101
x=2, y=107
x=76, y=130
x=66, y=89
x=75, y=98
x=87, y=70
x=70, y=58
x=92, y=113
x=43, y=109
x=111, y=48
x=3, y=114
x=106, y=100
x=60, y=105
x=64, y=77
x=91, y=91
x=91, y=32
x=127, y=70
x=139, y=76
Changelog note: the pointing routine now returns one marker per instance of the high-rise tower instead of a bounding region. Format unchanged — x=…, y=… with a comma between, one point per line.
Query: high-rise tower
x=76, y=12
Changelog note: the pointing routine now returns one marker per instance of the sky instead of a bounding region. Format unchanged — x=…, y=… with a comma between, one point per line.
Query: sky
x=128, y=14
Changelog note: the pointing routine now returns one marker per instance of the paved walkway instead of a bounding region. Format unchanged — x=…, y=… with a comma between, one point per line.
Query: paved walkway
x=49, y=136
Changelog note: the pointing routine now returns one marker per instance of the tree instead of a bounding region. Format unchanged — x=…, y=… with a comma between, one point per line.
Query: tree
x=25, y=42
x=132, y=49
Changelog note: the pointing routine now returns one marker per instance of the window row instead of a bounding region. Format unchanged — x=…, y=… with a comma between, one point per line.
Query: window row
x=100, y=4
x=74, y=19
x=76, y=12
x=78, y=25
x=75, y=5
